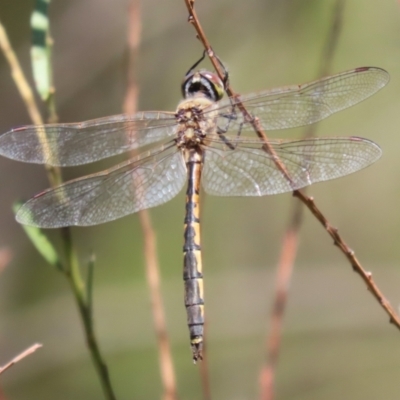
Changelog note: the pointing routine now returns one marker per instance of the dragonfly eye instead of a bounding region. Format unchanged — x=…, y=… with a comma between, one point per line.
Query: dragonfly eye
x=205, y=83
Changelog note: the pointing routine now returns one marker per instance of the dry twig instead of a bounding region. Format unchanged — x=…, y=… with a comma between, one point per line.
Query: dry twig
x=26, y=94
x=291, y=238
x=150, y=250
x=18, y=76
x=21, y=356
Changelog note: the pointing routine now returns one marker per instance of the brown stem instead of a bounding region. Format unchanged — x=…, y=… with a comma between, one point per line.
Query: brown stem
x=283, y=277
x=346, y=250
x=291, y=237
x=150, y=246
x=26, y=94
x=153, y=279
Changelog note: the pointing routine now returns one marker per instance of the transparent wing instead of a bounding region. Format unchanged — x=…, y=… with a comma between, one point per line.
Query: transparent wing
x=250, y=171
x=299, y=105
x=140, y=183
x=82, y=143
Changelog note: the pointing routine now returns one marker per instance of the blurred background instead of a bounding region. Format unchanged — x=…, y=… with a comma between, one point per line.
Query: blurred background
x=337, y=341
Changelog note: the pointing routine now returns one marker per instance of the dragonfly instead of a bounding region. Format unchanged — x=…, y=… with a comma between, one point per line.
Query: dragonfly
x=203, y=143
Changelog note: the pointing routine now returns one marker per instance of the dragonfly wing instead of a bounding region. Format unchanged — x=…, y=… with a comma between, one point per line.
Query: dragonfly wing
x=127, y=188
x=299, y=105
x=86, y=142
x=250, y=171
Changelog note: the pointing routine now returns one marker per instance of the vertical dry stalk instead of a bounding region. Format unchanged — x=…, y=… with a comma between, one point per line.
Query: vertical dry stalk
x=26, y=94
x=150, y=250
x=291, y=238
x=18, y=76
x=283, y=277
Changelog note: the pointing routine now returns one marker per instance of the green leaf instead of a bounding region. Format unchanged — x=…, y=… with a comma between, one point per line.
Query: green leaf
x=41, y=242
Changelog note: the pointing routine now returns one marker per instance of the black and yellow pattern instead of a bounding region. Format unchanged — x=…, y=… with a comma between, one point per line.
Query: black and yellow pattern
x=192, y=266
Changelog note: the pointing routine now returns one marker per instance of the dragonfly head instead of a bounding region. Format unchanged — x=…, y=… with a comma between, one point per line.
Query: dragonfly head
x=204, y=83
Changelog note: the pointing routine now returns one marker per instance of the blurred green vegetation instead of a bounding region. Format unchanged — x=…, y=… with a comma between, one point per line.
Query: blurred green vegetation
x=337, y=341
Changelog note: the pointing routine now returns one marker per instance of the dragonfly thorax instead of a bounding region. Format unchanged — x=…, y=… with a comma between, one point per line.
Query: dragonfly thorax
x=193, y=124
x=203, y=83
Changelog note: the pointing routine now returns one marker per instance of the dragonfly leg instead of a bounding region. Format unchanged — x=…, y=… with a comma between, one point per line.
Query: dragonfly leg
x=226, y=73
x=196, y=63
x=229, y=143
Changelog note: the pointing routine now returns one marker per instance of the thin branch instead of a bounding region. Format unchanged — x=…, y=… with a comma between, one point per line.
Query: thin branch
x=253, y=121
x=153, y=279
x=290, y=240
x=308, y=201
x=332, y=39
x=21, y=356
x=89, y=284
x=290, y=244
x=150, y=247
x=350, y=255
x=78, y=287
x=18, y=76
x=26, y=94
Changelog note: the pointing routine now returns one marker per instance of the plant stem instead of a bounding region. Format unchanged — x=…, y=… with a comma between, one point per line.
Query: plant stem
x=150, y=246
x=78, y=287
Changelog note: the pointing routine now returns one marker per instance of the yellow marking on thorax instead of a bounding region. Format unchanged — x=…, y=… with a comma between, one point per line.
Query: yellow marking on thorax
x=205, y=125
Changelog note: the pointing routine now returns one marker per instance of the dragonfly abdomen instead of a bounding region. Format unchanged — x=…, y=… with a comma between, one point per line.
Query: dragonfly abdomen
x=192, y=264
